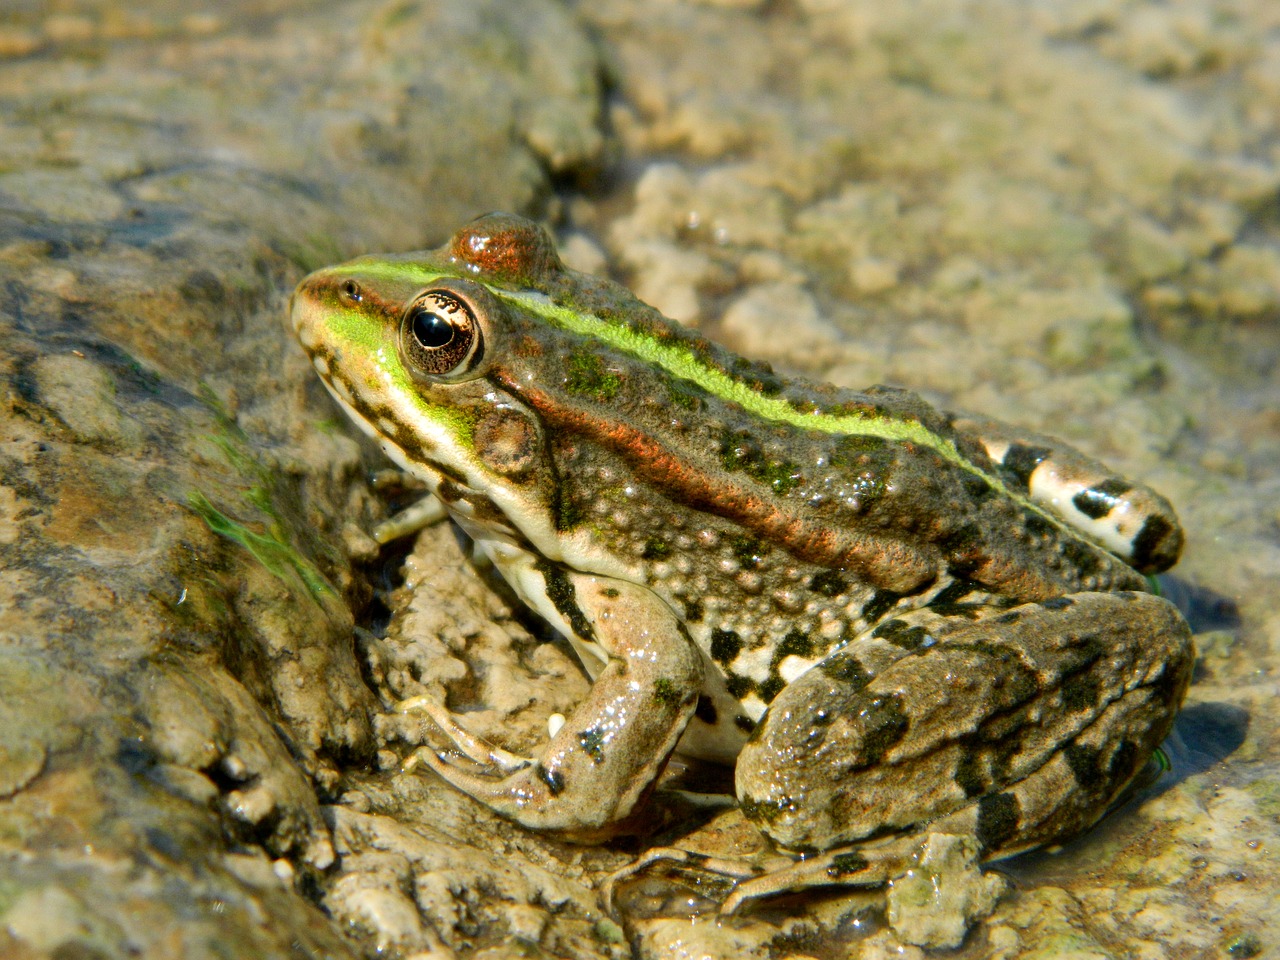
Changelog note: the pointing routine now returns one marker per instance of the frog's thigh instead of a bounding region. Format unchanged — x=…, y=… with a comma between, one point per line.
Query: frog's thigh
x=1131, y=519
x=1069, y=696
x=603, y=760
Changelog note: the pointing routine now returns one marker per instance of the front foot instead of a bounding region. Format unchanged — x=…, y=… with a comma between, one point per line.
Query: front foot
x=417, y=516
x=522, y=789
x=478, y=751
x=519, y=788
x=587, y=780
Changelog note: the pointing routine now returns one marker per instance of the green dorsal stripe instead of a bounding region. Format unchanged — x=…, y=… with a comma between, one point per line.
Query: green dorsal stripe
x=680, y=362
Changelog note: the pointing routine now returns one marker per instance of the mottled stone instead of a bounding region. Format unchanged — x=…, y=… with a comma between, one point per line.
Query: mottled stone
x=179, y=686
x=934, y=904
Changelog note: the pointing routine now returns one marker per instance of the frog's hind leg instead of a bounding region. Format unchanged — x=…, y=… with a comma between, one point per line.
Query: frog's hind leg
x=1022, y=724
x=1129, y=519
x=1090, y=772
x=869, y=864
x=742, y=872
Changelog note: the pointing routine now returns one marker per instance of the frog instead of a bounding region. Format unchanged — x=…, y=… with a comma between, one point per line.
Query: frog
x=887, y=618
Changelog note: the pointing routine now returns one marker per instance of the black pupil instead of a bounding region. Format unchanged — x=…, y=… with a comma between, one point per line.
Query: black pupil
x=430, y=329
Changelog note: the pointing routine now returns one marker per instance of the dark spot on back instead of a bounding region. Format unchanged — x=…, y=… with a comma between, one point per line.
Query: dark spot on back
x=1021, y=461
x=1094, y=504
x=953, y=592
x=706, y=710
x=747, y=551
x=846, y=865
x=203, y=286
x=665, y=693
x=586, y=375
x=997, y=820
x=828, y=583
x=1083, y=762
x=552, y=778
x=844, y=668
x=1038, y=525
x=1056, y=603
x=1157, y=545
x=970, y=611
x=961, y=540
x=880, y=603
x=771, y=688
x=978, y=488
x=971, y=773
x=1083, y=556
x=900, y=634
x=1018, y=683
x=764, y=810
x=725, y=646
x=592, y=743
x=565, y=599
x=1080, y=691
x=885, y=723
x=1002, y=753
x=655, y=548
x=693, y=611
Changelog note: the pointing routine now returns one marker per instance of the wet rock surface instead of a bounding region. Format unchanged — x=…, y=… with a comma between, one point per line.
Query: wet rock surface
x=181, y=691
x=1061, y=216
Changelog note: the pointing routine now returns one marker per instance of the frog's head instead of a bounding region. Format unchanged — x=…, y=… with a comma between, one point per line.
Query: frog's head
x=416, y=349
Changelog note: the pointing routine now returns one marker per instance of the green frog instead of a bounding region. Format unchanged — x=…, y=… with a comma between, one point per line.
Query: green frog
x=889, y=619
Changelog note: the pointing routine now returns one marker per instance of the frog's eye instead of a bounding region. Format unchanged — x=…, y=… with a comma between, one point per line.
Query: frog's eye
x=440, y=335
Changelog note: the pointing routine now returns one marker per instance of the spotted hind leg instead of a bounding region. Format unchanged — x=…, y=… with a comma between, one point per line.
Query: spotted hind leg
x=1129, y=519
x=1019, y=726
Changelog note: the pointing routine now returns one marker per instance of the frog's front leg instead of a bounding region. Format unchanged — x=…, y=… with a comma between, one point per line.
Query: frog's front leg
x=419, y=515
x=607, y=755
x=1020, y=727
x=1130, y=519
